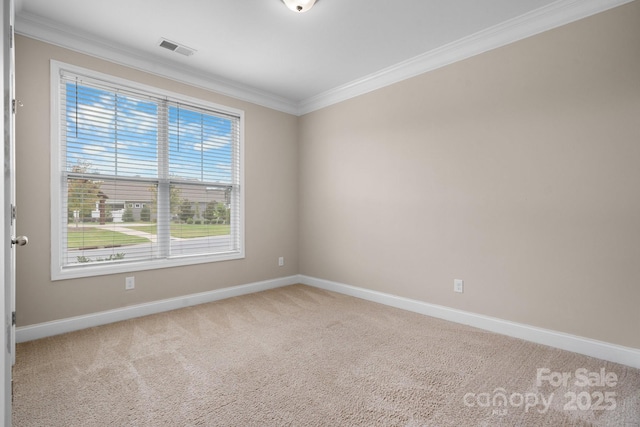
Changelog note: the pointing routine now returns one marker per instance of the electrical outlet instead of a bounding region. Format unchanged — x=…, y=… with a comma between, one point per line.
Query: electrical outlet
x=129, y=283
x=281, y=261
x=458, y=285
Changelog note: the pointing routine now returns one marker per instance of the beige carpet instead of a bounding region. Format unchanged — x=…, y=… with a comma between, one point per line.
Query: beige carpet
x=301, y=356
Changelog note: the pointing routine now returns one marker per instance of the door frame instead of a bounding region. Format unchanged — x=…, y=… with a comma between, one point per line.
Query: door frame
x=6, y=249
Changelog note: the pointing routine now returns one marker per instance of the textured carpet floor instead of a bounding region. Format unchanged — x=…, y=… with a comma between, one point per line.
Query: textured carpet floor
x=301, y=356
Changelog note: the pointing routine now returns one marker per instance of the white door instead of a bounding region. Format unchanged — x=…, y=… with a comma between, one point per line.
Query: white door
x=9, y=241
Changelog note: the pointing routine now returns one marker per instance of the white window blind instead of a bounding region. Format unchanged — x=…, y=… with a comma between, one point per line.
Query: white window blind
x=146, y=180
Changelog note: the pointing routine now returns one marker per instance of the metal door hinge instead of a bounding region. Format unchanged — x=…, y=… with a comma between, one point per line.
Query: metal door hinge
x=16, y=103
x=11, y=36
x=13, y=319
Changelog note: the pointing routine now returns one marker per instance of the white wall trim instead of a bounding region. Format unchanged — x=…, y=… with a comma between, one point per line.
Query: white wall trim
x=543, y=19
x=602, y=350
x=47, y=31
x=59, y=271
x=540, y=20
x=56, y=327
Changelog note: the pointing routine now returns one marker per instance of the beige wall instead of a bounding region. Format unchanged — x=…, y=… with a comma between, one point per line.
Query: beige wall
x=271, y=201
x=517, y=170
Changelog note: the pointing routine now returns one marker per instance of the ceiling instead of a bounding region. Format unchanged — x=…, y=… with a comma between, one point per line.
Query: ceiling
x=260, y=51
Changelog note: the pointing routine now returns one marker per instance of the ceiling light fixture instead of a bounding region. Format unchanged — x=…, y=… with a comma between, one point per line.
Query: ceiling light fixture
x=299, y=5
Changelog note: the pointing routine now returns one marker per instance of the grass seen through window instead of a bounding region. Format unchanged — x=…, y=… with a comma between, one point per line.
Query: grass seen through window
x=99, y=238
x=94, y=237
x=188, y=231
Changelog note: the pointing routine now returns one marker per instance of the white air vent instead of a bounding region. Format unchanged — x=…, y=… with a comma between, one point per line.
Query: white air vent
x=176, y=47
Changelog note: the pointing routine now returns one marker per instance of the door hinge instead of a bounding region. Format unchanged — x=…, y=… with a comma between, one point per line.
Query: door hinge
x=11, y=36
x=16, y=103
x=13, y=318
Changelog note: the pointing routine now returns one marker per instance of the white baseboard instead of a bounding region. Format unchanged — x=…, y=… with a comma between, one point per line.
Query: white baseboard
x=586, y=346
x=56, y=327
x=589, y=347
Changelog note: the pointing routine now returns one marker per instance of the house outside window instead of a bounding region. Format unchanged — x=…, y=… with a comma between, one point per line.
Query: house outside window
x=143, y=178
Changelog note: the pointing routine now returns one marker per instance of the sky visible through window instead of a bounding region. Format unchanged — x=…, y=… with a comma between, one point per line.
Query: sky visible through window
x=118, y=135
x=149, y=178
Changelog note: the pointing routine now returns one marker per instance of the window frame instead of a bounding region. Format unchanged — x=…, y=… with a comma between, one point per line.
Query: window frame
x=58, y=272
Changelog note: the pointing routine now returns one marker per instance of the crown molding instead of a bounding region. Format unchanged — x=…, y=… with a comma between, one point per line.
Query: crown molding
x=540, y=20
x=535, y=22
x=50, y=32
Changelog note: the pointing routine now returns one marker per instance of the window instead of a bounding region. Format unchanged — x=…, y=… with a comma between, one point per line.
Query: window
x=141, y=178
